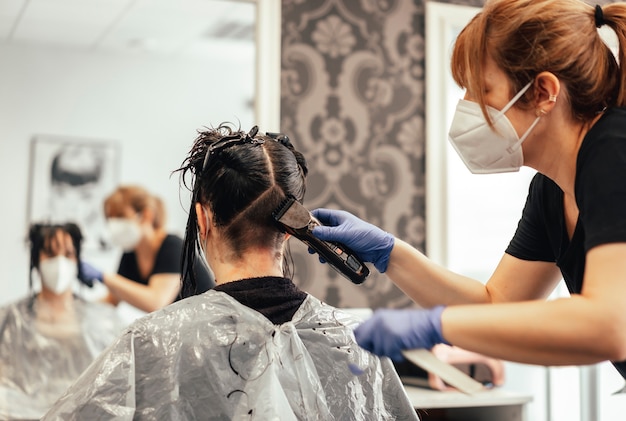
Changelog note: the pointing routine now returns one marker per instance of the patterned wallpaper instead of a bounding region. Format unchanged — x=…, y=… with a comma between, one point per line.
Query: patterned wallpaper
x=353, y=102
x=352, y=88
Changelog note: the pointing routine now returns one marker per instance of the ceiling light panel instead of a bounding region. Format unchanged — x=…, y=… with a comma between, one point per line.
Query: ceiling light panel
x=77, y=23
x=172, y=26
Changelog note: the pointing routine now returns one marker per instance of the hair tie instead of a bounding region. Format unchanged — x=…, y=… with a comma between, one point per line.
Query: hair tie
x=599, y=16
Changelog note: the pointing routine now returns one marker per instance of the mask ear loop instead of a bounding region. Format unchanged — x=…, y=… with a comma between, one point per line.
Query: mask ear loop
x=206, y=237
x=514, y=100
x=507, y=107
x=539, y=113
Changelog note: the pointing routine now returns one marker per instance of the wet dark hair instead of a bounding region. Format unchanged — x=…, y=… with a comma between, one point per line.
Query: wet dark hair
x=242, y=178
x=39, y=239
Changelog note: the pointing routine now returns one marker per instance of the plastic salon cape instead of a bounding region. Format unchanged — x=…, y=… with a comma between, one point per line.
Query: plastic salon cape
x=208, y=357
x=40, y=359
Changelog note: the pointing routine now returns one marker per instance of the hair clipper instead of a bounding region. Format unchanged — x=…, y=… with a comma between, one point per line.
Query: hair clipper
x=296, y=220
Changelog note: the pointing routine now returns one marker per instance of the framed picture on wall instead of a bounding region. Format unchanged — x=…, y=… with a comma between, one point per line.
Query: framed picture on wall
x=69, y=180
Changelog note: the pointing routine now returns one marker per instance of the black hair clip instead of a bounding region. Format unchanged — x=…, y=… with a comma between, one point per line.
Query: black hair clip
x=228, y=141
x=281, y=138
x=253, y=131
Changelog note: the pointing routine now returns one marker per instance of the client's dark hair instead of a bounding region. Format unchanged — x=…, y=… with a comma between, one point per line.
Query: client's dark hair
x=242, y=177
x=40, y=237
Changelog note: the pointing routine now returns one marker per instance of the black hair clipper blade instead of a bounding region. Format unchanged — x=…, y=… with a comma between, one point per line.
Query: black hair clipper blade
x=296, y=220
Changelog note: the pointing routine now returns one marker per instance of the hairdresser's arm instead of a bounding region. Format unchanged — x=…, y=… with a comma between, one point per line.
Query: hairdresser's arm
x=160, y=291
x=426, y=282
x=582, y=329
x=430, y=284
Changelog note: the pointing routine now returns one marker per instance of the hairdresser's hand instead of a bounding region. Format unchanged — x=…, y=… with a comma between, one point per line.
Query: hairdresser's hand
x=368, y=241
x=388, y=332
x=89, y=274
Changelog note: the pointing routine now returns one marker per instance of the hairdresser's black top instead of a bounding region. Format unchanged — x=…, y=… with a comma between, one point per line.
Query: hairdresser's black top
x=167, y=261
x=278, y=299
x=600, y=192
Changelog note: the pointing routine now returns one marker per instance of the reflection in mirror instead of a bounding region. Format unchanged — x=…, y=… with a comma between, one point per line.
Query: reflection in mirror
x=139, y=75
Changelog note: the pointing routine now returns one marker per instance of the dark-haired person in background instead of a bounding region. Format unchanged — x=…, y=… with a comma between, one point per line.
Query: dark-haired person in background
x=48, y=338
x=255, y=346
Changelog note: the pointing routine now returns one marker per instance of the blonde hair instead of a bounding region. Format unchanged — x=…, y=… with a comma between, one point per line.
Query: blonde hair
x=138, y=199
x=527, y=37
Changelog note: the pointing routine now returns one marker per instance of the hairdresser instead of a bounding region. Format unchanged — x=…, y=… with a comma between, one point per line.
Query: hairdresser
x=149, y=273
x=542, y=90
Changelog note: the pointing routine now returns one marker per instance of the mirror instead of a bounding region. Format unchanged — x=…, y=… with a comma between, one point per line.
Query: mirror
x=140, y=76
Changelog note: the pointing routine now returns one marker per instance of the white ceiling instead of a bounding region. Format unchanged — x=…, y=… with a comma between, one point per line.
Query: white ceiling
x=172, y=27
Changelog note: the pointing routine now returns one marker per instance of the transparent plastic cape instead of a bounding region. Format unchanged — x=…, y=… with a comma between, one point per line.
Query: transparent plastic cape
x=208, y=357
x=40, y=357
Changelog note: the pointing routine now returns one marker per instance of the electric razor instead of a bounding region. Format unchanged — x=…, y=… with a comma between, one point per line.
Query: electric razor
x=296, y=220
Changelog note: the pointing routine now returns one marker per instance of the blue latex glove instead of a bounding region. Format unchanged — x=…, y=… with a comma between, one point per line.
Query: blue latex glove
x=89, y=273
x=388, y=332
x=368, y=241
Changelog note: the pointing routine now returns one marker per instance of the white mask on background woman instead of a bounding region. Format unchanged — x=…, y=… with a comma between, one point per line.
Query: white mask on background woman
x=125, y=233
x=483, y=149
x=58, y=273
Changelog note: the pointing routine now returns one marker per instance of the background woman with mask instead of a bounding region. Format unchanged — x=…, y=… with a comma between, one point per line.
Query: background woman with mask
x=148, y=276
x=543, y=90
x=255, y=346
x=47, y=339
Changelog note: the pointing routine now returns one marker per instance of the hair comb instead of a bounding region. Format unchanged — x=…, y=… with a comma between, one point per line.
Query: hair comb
x=296, y=220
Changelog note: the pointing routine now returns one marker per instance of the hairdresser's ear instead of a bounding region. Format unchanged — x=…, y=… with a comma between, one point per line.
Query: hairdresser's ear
x=547, y=89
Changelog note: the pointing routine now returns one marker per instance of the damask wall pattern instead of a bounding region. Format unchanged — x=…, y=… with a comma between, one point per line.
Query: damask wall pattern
x=352, y=100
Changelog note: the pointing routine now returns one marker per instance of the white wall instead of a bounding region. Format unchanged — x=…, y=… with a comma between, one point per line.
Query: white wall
x=150, y=105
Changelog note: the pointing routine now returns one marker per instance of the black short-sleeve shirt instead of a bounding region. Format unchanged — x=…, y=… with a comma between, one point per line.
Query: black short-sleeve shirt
x=168, y=260
x=600, y=189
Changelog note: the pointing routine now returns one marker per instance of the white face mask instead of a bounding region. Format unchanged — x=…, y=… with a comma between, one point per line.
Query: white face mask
x=58, y=273
x=125, y=233
x=485, y=150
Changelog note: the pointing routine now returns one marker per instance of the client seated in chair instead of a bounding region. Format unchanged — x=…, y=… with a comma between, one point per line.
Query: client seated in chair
x=48, y=338
x=255, y=346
